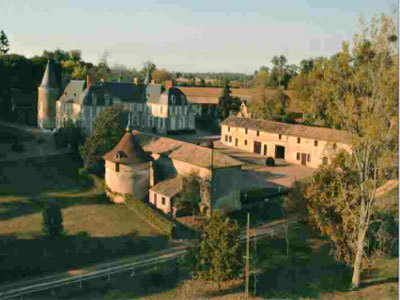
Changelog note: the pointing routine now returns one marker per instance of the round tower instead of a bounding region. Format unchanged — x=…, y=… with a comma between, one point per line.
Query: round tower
x=127, y=169
x=48, y=93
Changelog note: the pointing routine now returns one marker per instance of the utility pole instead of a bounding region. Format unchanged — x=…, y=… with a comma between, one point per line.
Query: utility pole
x=247, y=256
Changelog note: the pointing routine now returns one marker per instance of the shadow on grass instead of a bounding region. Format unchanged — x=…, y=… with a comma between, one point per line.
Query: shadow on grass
x=33, y=257
x=35, y=204
x=305, y=273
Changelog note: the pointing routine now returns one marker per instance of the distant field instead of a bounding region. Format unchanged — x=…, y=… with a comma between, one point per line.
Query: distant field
x=97, y=229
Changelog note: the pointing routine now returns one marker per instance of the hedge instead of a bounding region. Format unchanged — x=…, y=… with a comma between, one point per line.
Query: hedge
x=166, y=226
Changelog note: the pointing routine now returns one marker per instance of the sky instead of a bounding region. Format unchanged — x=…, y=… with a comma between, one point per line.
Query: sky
x=187, y=36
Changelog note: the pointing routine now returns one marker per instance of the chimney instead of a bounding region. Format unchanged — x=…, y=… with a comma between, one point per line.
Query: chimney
x=168, y=84
x=135, y=81
x=87, y=80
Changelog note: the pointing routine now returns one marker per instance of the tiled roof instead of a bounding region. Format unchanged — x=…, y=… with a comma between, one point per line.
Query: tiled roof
x=169, y=187
x=191, y=153
x=319, y=133
x=128, y=150
x=49, y=77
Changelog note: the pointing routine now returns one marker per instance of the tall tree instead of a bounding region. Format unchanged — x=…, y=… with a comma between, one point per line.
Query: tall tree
x=108, y=131
x=189, y=199
x=279, y=63
x=53, y=219
x=361, y=87
x=227, y=104
x=219, y=256
x=4, y=43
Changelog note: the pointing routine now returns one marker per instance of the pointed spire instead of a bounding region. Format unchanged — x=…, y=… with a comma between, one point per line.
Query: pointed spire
x=128, y=126
x=49, y=77
x=147, y=80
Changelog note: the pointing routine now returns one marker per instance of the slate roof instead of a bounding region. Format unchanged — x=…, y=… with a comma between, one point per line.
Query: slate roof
x=49, y=77
x=128, y=151
x=304, y=131
x=125, y=91
x=166, y=97
x=169, y=187
x=191, y=153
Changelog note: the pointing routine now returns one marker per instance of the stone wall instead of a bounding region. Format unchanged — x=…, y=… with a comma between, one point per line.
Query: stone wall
x=47, y=107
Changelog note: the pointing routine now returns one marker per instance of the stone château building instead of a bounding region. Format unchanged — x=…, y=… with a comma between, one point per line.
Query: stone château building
x=299, y=144
x=149, y=105
x=129, y=171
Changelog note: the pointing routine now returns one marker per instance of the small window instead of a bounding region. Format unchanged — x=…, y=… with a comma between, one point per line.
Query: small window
x=236, y=142
x=155, y=199
x=280, y=136
x=117, y=167
x=334, y=146
x=315, y=143
x=246, y=131
x=308, y=157
x=298, y=156
x=298, y=140
x=258, y=133
x=226, y=138
x=230, y=139
x=163, y=200
x=229, y=129
x=324, y=161
x=245, y=142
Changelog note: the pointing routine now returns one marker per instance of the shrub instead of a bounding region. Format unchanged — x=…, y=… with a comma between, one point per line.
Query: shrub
x=270, y=161
x=40, y=140
x=52, y=219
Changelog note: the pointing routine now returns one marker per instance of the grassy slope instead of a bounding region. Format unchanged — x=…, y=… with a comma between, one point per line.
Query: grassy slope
x=96, y=229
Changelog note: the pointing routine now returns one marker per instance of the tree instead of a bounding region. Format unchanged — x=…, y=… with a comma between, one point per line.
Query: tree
x=108, y=130
x=75, y=55
x=188, y=200
x=218, y=257
x=53, y=219
x=70, y=135
x=361, y=90
x=226, y=103
x=269, y=107
x=4, y=43
x=160, y=75
x=279, y=63
x=202, y=82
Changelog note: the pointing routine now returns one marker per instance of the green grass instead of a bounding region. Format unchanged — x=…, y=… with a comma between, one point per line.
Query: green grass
x=97, y=229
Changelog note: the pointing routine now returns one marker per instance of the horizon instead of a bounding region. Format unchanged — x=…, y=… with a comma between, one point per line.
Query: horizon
x=195, y=38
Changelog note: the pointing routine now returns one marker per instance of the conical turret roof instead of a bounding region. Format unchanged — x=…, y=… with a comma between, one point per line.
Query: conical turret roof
x=128, y=151
x=49, y=77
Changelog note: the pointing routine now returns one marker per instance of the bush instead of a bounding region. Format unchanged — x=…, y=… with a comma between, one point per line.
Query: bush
x=52, y=219
x=40, y=140
x=270, y=161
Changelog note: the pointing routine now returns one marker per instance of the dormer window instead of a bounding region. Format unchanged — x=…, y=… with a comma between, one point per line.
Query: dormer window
x=172, y=99
x=120, y=154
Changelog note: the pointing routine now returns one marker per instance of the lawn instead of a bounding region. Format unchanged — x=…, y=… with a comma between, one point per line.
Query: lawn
x=96, y=229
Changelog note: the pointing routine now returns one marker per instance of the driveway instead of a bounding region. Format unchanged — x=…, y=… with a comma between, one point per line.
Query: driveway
x=257, y=175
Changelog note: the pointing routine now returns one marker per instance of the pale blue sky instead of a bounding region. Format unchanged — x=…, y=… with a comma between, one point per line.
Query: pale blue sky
x=192, y=36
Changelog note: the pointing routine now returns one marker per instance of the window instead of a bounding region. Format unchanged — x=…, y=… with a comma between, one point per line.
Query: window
x=226, y=138
x=236, y=142
x=117, y=167
x=229, y=129
x=280, y=136
x=161, y=109
x=308, y=157
x=324, y=161
x=230, y=139
x=298, y=156
x=163, y=200
x=245, y=142
x=334, y=146
x=155, y=199
x=246, y=131
x=258, y=133
x=315, y=143
x=298, y=140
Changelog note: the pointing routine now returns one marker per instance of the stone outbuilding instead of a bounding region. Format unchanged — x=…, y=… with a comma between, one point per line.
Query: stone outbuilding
x=127, y=169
